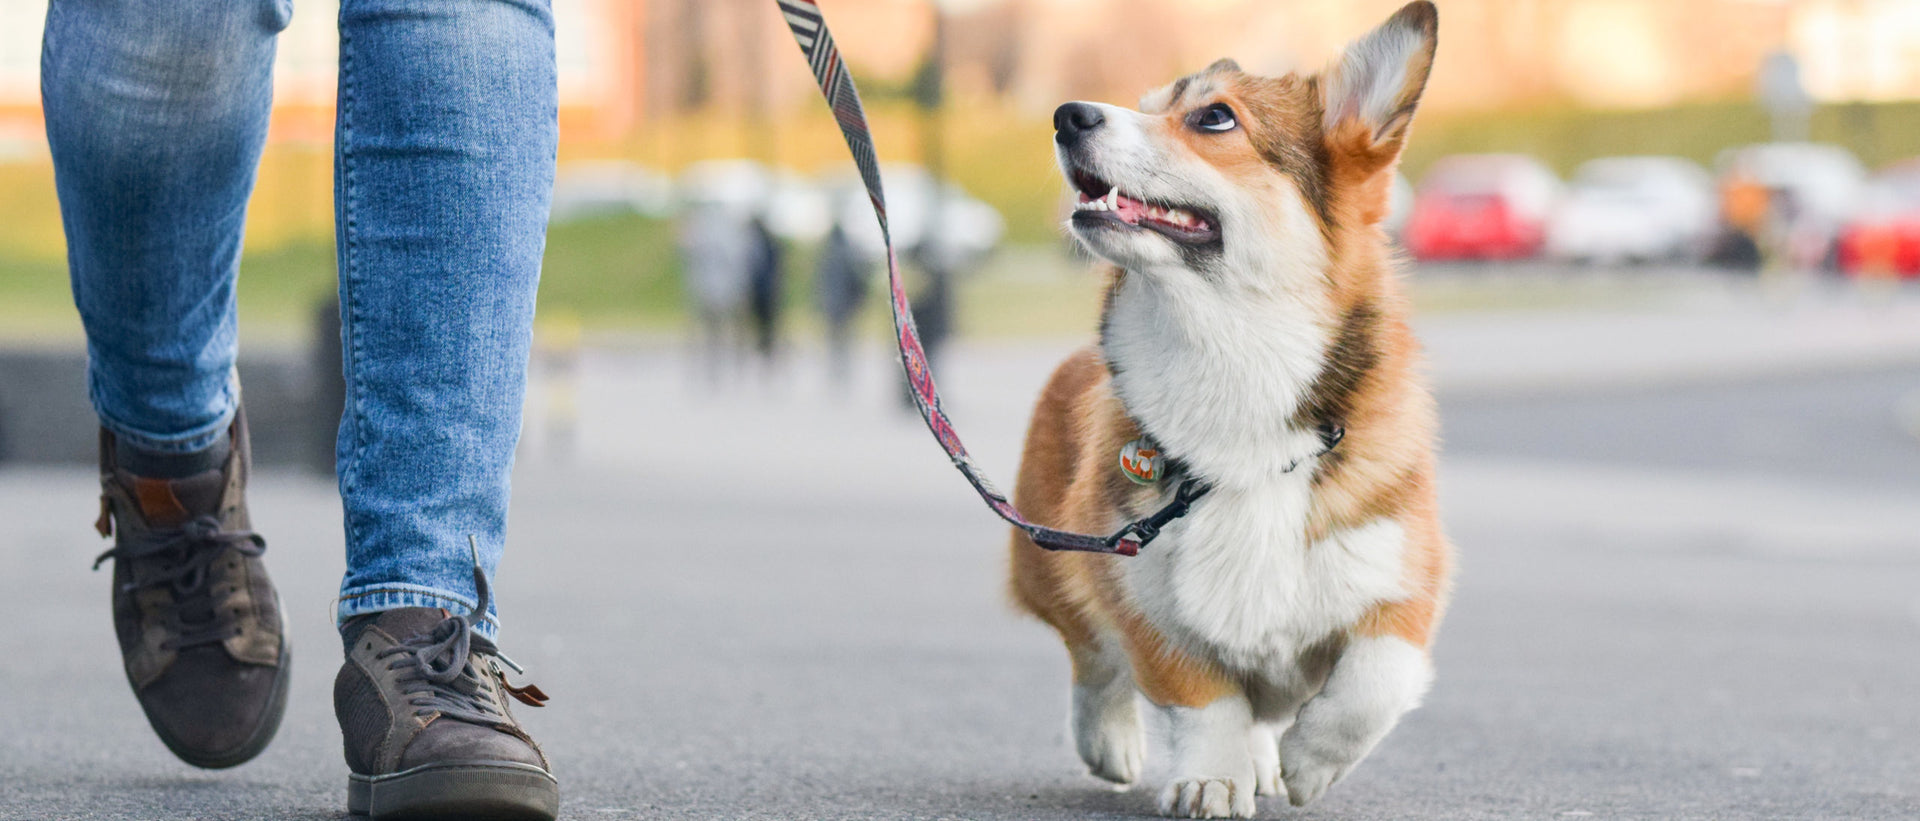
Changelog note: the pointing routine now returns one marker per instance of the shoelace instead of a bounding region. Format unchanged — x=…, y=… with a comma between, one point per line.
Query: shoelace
x=182, y=558
x=441, y=676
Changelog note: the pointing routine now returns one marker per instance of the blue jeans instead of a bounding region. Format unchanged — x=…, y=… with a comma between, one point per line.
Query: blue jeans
x=447, y=128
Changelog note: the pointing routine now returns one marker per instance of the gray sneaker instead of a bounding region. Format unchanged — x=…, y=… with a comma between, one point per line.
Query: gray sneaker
x=197, y=618
x=422, y=705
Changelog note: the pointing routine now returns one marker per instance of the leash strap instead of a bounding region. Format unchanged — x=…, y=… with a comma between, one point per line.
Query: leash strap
x=810, y=30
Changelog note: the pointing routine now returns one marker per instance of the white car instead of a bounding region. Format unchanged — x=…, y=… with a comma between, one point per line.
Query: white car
x=1634, y=209
x=1813, y=190
x=1824, y=181
x=965, y=229
x=794, y=207
x=598, y=188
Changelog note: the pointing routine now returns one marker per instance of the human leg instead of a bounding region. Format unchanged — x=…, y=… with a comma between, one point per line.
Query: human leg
x=446, y=134
x=156, y=111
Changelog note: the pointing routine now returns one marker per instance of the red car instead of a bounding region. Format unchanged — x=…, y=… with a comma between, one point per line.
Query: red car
x=1885, y=238
x=1482, y=206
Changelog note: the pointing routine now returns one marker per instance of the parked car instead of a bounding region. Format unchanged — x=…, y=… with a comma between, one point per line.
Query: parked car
x=965, y=226
x=1634, y=209
x=598, y=188
x=1789, y=199
x=793, y=205
x=1884, y=235
x=1482, y=206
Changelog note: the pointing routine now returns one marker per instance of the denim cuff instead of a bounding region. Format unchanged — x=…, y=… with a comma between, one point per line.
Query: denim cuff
x=374, y=599
x=192, y=441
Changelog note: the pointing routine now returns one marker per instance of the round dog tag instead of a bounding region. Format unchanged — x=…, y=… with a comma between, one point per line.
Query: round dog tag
x=1141, y=461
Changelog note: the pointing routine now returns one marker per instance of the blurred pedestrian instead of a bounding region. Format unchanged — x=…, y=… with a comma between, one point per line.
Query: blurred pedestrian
x=840, y=287
x=557, y=351
x=933, y=305
x=156, y=113
x=1743, y=207
x=715, y=247
x=1789, y=245
x=766, y=286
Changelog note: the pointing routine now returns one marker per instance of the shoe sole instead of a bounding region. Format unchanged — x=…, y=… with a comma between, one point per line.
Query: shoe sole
x=470, y=790
x=262, y=735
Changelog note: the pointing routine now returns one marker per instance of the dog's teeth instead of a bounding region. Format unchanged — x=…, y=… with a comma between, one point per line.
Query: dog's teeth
x=1113, y=197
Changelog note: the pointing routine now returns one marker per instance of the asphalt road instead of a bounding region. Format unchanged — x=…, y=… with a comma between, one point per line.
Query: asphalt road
x=764, y=603
x=1861, y=427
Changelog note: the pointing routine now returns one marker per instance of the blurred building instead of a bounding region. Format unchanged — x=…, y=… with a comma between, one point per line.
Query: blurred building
x=1493, y=54
x=623, y=62
x=602, y=78
x=20, y=128
x=597, y=45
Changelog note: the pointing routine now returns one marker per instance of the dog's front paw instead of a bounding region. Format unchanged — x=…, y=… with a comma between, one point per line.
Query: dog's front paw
x=1207, y=798
x=1375, y=682
x=1308, y=775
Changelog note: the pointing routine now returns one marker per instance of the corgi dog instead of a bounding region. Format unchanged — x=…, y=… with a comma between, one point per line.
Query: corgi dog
x=1252, y=315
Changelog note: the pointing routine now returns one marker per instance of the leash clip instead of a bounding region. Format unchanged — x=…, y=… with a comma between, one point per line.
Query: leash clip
x=1145, y=530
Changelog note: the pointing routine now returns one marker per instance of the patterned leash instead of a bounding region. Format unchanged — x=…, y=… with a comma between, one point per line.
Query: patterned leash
x=810, y=29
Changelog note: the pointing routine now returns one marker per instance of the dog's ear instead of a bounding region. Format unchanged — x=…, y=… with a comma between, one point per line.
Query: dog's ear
x=1369, y=95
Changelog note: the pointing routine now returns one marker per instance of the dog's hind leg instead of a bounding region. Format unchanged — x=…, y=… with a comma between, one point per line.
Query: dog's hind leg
x=1106, y=716
x=1210, y=721
x=1264, y=744
x=1214, y=769
x=1060, y=588
x=1106, y=720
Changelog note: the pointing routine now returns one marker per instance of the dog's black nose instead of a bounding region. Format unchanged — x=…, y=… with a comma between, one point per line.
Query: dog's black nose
x=1074, y=119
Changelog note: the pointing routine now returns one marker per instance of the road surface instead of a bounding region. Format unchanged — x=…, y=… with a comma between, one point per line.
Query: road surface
x=767, y=602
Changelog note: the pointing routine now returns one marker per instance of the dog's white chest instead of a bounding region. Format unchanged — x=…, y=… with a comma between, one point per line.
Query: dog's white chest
x=1235, y=581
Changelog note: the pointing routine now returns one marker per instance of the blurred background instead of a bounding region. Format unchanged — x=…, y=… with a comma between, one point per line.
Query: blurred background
x=1665, y=257
x=1571, y=153
x=668, y=105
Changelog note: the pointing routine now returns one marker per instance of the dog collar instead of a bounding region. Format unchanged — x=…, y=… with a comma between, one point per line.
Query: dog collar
x=1151, y=461
x=1144, y=462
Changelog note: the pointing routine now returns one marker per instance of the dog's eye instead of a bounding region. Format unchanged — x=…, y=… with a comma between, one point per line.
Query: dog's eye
x=1216, y=117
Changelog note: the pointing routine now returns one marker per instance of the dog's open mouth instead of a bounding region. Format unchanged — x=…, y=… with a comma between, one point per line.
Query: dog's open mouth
x=1102, y=203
